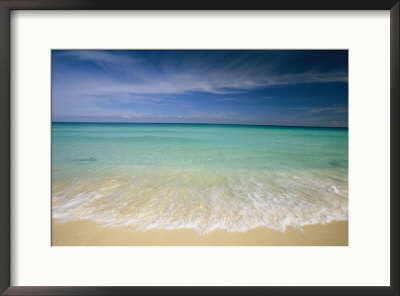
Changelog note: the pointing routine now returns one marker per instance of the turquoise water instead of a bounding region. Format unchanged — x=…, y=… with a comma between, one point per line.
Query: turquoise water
x=199, y=176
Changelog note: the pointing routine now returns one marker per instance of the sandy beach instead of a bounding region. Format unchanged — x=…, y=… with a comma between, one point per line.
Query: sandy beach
x=88, y=233
x=200, y=148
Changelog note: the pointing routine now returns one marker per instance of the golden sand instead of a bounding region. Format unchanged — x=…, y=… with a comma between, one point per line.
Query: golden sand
x=88, y=233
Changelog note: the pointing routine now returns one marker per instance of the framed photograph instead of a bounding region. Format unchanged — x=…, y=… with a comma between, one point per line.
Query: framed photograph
x=199, y=148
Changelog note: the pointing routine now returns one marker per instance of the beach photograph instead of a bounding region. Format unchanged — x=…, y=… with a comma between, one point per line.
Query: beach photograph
x=199, y=148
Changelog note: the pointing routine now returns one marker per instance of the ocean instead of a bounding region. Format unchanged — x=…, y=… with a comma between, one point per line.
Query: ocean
x=199, y=176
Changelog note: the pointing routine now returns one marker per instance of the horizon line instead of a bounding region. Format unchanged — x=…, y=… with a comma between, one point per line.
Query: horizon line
x=241, y=124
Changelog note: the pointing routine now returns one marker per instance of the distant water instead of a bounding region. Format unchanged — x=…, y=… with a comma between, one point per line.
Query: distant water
x=203, y=177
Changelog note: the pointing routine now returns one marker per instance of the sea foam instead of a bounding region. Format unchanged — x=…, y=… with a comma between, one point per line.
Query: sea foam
x=203, y=200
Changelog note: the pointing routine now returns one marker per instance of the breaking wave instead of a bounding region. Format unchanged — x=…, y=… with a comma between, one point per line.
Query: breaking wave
x=201, y=199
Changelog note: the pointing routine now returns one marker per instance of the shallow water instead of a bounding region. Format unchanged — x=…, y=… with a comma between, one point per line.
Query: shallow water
x=199, y=176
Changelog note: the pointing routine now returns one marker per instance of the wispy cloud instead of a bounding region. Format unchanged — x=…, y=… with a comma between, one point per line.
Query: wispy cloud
x=231, y=78
x=167, y=85
x=100, y=57
x=336, y=109
x=208, y=82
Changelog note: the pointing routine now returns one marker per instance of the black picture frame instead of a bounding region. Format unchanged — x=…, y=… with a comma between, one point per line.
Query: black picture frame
x=6, y=6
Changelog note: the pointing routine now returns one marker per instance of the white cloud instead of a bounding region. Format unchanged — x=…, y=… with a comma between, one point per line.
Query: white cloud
x=336, y=109
x=100, y=57
x=227, y=83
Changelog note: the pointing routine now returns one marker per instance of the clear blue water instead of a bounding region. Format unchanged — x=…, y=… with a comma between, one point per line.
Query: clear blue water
x=199, y=176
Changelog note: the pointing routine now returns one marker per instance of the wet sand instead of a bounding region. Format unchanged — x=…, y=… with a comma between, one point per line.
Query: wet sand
x=88, y=233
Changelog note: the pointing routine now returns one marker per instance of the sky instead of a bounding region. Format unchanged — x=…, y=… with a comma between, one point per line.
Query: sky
x=262, y=87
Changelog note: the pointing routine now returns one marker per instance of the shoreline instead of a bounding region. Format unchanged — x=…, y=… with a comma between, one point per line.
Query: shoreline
x=88, y=233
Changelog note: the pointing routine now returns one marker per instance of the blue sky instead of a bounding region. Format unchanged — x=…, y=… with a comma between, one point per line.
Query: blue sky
x=272, y=87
